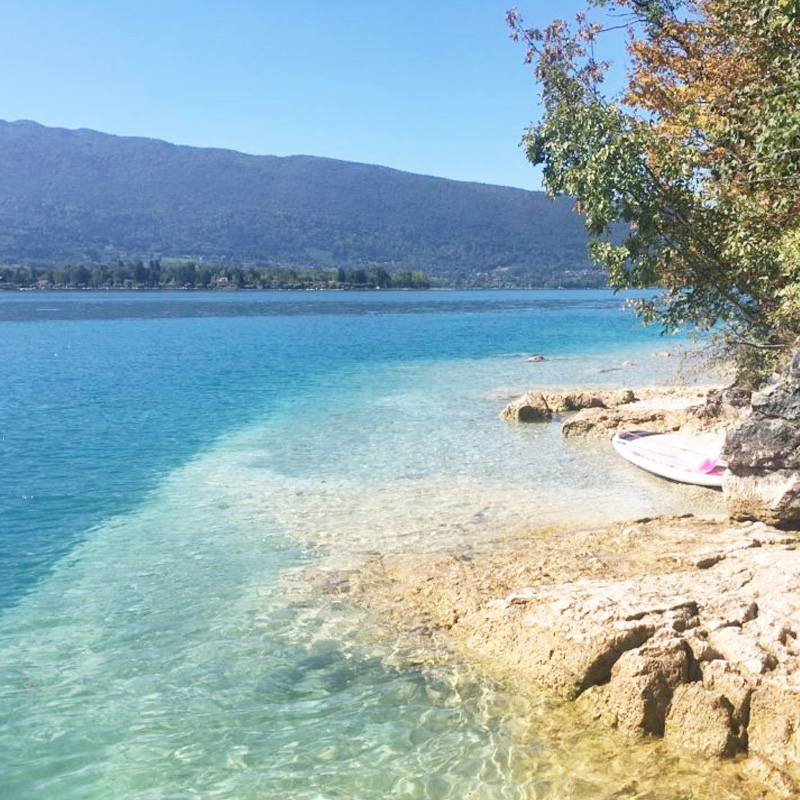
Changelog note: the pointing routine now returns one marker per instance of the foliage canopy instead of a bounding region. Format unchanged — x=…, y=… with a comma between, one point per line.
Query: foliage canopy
x=690, y=178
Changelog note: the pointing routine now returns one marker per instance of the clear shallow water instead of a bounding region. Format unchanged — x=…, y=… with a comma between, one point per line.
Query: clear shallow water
x=172, y=464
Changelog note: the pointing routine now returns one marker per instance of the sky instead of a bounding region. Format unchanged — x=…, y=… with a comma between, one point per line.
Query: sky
x=435, y=87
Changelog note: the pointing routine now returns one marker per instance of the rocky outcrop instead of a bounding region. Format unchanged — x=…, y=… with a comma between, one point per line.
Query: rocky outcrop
x=600, y=413
x=721, y=410
x=763, y=456
x=578, y=400
x=677, y=627
x=773, y=497
x=536, y=406
x=531, y=407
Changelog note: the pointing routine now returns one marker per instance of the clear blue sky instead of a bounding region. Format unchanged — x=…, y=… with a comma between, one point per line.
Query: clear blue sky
x=428, y=86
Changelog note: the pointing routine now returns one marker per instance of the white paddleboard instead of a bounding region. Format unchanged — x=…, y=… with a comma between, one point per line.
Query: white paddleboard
x=678, y=457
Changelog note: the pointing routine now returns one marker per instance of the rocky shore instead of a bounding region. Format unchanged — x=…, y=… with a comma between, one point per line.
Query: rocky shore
x=678, y=627
x=599, y=413
x=675, y=627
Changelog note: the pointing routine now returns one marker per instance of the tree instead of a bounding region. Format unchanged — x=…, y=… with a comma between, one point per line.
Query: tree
x=154, y=273
x=80, y=276
x=379, y=277
x=99, y=276
x=691, y=179
x=140, y=273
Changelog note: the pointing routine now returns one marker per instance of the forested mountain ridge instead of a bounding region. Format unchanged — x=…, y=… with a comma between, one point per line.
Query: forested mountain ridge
x=79, y=196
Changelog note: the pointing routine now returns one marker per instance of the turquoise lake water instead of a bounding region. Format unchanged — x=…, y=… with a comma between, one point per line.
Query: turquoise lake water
x=173, y=466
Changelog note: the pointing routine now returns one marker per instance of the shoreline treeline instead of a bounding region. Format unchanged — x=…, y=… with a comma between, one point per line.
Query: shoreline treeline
x=155, y=274
x=191, y=274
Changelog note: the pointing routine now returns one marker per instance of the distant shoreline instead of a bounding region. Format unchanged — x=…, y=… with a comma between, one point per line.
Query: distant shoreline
x=233, y=290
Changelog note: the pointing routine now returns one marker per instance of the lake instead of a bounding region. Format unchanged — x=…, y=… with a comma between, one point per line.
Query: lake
x=174, y=466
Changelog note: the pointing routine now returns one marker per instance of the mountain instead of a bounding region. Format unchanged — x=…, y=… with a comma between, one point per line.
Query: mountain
x=73, y=196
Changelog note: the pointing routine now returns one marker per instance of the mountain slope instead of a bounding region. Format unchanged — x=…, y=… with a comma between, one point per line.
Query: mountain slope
x=69, y=196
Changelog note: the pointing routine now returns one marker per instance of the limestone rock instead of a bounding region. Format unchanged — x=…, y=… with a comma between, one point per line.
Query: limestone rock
x=726, y=611
x=720, y=677
x=546, y=642
x=680, y=625
x=603, y=423
x=621, y=397
x=772, y=497
x=721, y=410
x=531, y=407
x=535, y=406
x=575, y=401
x=764, y=445
x=564, y=402
x=581, y=664
x=763, y=456
x=697, y=642
x=602, y=412
x=702, y=721
x=642, y=683
x=774, y=730
x=770, y=776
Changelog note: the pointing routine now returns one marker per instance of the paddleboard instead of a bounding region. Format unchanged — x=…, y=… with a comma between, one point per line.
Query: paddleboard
x=675, y=456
